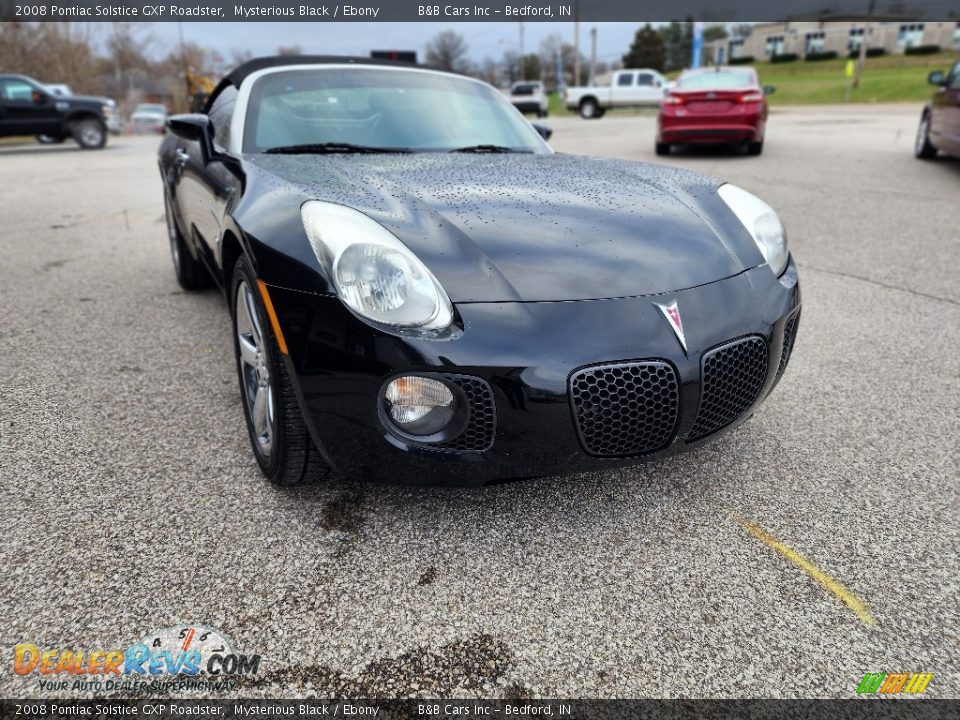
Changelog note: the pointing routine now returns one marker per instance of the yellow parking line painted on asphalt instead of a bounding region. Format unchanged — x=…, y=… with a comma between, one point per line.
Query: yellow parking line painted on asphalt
x=851, y=600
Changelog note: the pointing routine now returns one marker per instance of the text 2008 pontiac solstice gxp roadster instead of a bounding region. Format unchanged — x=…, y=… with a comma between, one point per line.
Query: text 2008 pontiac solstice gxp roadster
x=422, y=291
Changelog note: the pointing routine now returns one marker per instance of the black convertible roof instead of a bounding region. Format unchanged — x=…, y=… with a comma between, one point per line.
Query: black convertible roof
x=241, y=72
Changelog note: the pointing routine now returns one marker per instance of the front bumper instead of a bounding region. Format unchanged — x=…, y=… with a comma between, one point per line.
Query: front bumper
x=525, y=353
x=529, y=106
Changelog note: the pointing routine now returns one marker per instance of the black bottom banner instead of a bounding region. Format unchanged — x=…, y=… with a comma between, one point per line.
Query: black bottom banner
x=472, y=709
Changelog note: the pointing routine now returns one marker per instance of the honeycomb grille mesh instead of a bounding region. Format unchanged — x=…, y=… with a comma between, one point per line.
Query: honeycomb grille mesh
x=789, y=336
x=627, y=409
x=732, y=377
x=482, y=425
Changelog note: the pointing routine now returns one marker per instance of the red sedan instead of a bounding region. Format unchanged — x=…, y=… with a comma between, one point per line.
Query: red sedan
x=717, y=105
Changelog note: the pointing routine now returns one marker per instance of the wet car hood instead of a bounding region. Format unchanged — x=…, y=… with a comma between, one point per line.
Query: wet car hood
x=508, y=227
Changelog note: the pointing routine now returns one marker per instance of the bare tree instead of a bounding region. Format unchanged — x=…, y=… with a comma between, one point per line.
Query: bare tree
x=448, y=51
x=289, y=50
x=52, y=53
x=239, y=57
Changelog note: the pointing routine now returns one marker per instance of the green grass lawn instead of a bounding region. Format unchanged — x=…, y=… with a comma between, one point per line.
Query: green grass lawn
x=897, y=78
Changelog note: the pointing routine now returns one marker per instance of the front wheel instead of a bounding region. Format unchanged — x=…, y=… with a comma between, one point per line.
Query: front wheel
x=90, y=134
x=922, y=147
x=278, y=434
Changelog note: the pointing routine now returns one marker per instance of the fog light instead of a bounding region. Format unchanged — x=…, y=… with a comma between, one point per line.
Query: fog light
x=419, y=405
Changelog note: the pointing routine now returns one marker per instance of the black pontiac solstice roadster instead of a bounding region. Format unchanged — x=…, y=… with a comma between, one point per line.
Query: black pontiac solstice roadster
x=423, y=291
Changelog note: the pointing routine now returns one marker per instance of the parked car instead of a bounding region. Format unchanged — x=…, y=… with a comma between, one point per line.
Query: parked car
x=149, y=118
x=529, y=97
x=628, y=89
x=716, y=105
x=939, y=129
x=27, y=108
x=402, y=313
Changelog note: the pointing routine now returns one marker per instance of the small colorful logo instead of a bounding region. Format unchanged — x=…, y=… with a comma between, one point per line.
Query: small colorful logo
x=894, y=683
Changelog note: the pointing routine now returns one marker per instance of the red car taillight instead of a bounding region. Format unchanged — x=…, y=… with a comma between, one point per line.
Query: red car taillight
x=672, y=100
x=751, y=97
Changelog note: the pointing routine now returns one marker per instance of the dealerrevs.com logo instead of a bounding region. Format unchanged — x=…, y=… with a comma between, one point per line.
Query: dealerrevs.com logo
x=187, y=657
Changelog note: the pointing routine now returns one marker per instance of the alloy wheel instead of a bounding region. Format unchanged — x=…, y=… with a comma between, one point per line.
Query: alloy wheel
x=255, y=377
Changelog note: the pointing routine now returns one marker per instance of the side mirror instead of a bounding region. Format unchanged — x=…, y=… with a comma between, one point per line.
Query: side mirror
x=38, y=97
x=769, y=89
x=545, y=132
x=196, y=128
x=937, y=78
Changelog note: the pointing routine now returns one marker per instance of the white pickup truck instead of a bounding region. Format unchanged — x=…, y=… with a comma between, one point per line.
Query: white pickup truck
x=628, y=88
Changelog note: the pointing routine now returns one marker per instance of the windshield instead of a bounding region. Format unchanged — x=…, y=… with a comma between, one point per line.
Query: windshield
x=152, y=109
x=381, y=108
x=717, y=80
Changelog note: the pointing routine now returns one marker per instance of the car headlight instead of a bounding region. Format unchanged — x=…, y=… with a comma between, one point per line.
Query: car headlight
x=761, y=222
x=374, y=273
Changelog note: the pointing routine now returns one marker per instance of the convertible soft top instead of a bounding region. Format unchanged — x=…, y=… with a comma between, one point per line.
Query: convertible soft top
x=241, y=72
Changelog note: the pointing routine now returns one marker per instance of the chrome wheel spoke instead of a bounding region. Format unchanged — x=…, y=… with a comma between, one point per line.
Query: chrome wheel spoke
x=260, y=402
x=252, y=317
x=248, y=350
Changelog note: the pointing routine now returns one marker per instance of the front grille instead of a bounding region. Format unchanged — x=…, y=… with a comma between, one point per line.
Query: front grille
x=732, y=376
x=628, y=409
x=482, y=425
x=789, y=336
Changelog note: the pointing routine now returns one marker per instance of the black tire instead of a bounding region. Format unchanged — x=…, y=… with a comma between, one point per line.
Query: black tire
x=755, y=148
x=291, y=458
x=662, y=148
x=191, y=274
x=542, y=113
x=49, y=139
x=922, y=148
x=590, y=109
x=90, y=133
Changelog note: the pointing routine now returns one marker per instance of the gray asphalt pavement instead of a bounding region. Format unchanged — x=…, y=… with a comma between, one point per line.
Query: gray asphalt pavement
x=131, y=500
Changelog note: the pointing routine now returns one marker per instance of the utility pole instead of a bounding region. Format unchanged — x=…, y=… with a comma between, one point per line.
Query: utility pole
x=521, y=63
x=593, y=55
x=576, y=42
x=864, y=39
x=186, y=69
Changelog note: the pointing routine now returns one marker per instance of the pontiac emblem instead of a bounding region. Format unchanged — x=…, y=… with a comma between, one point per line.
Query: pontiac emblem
x=672, y=313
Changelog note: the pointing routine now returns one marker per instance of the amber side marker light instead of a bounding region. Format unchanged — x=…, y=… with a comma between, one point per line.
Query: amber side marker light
x=272, y=314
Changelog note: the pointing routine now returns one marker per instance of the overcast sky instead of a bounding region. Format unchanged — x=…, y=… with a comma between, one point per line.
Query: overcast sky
x=483, y=39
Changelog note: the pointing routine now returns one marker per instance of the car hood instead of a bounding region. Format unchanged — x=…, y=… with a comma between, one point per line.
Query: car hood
x=81, y=99
x=521, y=227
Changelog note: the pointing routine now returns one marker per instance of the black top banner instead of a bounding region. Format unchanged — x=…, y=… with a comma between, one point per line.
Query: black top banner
x=472, y=11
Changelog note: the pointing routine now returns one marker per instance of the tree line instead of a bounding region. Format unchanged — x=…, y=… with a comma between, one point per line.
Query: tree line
x=124, y=60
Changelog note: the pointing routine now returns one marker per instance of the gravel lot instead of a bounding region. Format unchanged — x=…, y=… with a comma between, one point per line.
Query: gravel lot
x=131, y=500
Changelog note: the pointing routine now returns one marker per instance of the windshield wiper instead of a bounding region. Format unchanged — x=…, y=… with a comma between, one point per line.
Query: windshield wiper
x=331, y=148
x=488, y=149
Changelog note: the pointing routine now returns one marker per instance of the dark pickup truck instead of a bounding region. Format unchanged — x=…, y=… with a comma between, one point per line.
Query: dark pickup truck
x=26, y=108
